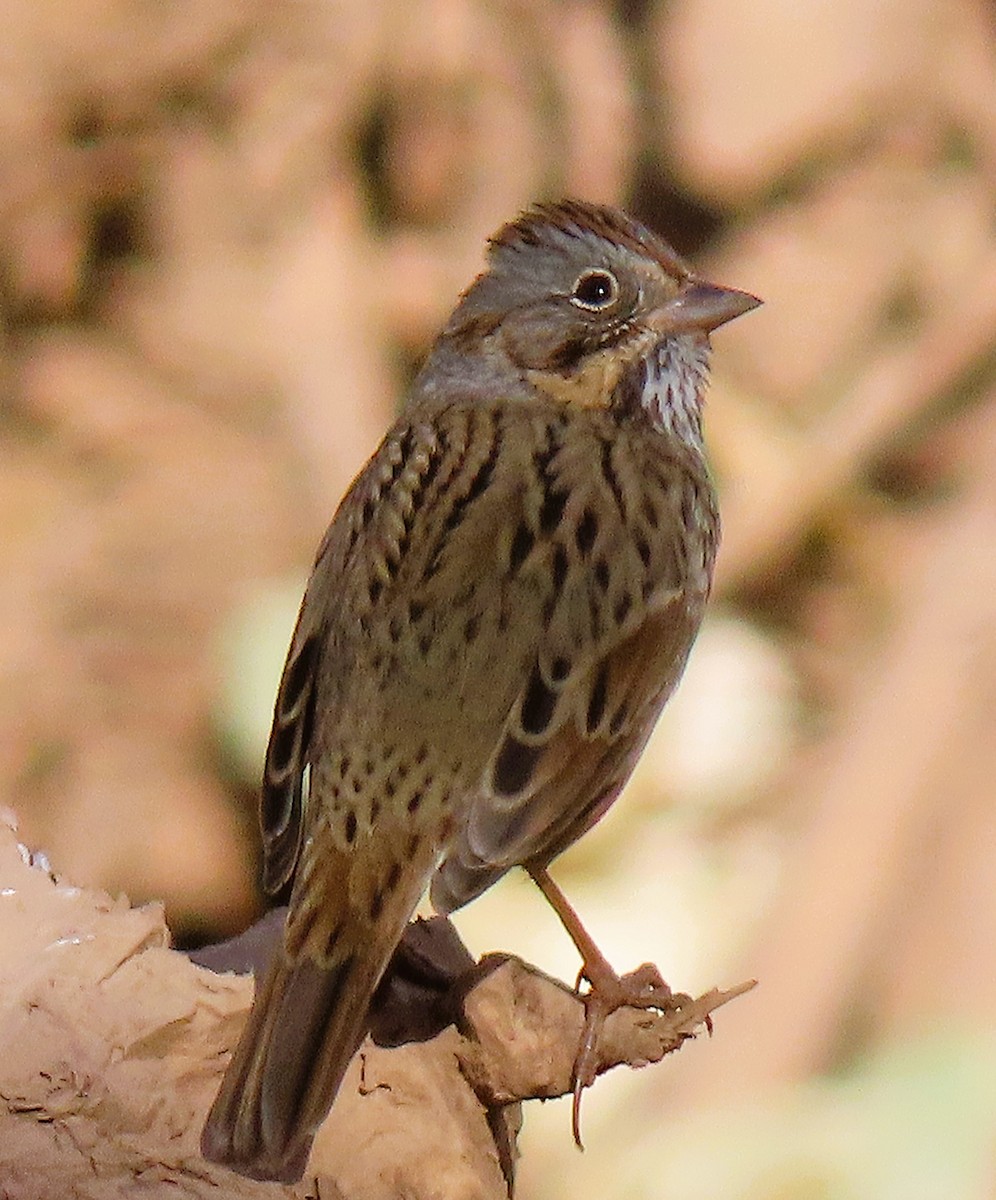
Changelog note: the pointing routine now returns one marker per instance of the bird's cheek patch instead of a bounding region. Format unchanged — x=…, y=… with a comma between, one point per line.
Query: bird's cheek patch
x=538, y=339
x=592, y=385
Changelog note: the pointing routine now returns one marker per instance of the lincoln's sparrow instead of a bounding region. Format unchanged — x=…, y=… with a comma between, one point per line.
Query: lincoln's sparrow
x=497, y=614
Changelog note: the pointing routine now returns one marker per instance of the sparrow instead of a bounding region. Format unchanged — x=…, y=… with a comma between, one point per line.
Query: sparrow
x=498, y=612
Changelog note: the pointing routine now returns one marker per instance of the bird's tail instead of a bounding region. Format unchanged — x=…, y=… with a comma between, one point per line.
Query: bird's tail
x=306, y=1023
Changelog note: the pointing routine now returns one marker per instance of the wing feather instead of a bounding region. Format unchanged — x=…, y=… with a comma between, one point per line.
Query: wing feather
x=609, y=548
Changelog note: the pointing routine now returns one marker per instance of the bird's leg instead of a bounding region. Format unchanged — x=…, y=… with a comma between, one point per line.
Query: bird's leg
x=607, y=991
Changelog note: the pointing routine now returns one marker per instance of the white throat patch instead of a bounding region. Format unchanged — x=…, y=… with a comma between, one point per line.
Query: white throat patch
x=676, y=373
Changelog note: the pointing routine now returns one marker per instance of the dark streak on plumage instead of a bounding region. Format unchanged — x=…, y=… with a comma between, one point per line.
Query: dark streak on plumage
x=627, y=397
x=299, y=675
x=569, y=355
x=282, y=748
x=609, y=474
x=538, y=705
x=478, y=486
x=332, y=937
x=514, y=766
x=522, y=542
x=622, y=608
x=586, y=532
x=406, y=445
x=597, y=698
x=560, y=668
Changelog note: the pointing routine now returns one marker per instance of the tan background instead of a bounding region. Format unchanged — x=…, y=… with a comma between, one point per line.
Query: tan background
x=227, y=231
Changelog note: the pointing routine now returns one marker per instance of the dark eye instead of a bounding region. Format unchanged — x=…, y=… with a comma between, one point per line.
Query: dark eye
x=595, y=289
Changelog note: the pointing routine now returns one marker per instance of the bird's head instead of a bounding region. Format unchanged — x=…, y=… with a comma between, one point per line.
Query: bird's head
x=580, y=300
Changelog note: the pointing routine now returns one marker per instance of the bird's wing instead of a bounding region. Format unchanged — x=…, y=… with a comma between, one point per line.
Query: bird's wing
x=547, y=785
x=622, y=601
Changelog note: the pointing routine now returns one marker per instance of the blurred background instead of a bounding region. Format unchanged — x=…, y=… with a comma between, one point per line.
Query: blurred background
x=228, y=230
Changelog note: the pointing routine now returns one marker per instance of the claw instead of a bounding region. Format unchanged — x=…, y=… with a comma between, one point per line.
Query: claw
x=576, y=1113
x=585, y=1062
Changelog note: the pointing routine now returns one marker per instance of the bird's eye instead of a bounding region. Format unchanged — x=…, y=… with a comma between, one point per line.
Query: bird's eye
x=595, y=290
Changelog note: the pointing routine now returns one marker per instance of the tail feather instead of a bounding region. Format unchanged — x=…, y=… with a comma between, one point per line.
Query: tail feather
x=307, y=1022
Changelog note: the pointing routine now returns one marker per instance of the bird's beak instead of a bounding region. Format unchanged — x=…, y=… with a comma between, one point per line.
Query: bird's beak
x=701, y=307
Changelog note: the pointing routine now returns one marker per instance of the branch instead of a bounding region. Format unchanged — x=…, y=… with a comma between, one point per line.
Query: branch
x=112, y=1046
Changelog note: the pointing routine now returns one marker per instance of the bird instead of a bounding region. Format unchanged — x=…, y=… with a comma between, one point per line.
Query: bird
x=501, y=606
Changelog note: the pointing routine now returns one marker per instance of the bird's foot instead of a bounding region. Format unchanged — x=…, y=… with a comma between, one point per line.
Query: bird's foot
x=643, y=988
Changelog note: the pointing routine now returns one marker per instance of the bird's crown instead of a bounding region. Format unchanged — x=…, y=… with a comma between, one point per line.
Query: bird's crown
x=572, y=225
